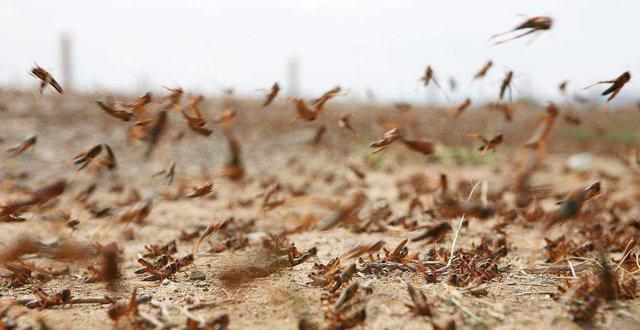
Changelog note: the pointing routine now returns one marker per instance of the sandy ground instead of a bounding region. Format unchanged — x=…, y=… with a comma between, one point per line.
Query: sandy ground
x=516, y=299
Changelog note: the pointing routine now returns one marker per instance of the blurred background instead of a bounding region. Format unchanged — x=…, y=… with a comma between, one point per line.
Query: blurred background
x=374, y=49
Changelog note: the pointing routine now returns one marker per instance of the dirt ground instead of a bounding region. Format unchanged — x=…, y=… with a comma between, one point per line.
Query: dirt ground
x=312, y=180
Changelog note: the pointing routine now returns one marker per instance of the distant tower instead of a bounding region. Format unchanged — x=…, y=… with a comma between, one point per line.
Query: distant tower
x=293, y=76
x=66, y=62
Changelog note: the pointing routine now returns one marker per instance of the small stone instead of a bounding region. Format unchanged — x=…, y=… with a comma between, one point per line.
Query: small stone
x=579, y=162
x=197, y=275
x=166, y=281
x=50, y=242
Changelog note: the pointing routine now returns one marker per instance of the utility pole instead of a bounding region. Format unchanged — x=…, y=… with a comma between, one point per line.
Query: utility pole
x=293, y=76
x=66, y=62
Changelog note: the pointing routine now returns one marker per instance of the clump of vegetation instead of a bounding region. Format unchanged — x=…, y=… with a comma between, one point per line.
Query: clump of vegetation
x=617, y=136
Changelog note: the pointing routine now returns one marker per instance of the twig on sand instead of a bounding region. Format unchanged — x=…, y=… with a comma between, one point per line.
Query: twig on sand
x=152, y=320
x=455, y=237
x=453, y=300
x=573, y=271
x=534, y=292
x=33, y=303
x=208, y=304
x=625, y=254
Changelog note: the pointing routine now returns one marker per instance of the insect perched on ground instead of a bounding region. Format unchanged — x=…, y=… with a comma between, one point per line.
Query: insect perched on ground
x=45, y=79
x=61, y=298
x=362, y=248
x=483, y=71
x=420, y=306
x=117, y=310
x=271, y=95
x=534, y=24
x=434, y=233
x=616, y=86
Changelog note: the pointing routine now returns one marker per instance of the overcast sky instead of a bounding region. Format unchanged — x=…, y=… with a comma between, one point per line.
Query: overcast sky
x=382, y=45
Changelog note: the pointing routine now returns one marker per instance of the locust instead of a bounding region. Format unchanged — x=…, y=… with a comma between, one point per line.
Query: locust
x=137, y=107
x=38, y=197
x=506, y=85
x=361, y=249
x=22, y=147
x=571, y=206
x=45, y=79
x=487, y=143
x=85, y=158
x=542, y=132
x=421, y=305
x=271, y=95
x=45, y=300
x=109, y=160
x=233, y=168
x=168, y=174
x=317, y=136
x=115, y=112
x=571, y=117
x=534, y=24
x=172, y=101
x=423, y=147
x=428, y=77
x=158, y=128
x=562, y=86
x=118, y=310
x=505, y=108
x=320, y=102
x=388, y=138
x=201, y=191
x=435, y=233
x=461, y=108
x=195, y=119
x=616, y=85
x=483, y=71
x=345, y=122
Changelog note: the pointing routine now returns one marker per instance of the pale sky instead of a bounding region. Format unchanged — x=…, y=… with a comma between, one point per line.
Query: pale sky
x=382, y=45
